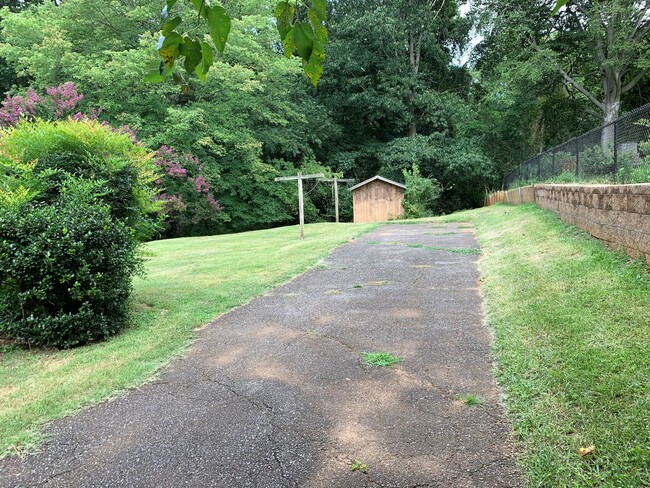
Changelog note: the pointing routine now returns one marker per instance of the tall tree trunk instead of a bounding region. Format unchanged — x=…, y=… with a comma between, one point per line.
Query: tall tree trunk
x=611, y=107
x=612, y=89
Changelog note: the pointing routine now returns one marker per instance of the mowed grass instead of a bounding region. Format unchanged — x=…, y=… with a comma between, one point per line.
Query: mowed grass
x=572, y=339
x=189, y=282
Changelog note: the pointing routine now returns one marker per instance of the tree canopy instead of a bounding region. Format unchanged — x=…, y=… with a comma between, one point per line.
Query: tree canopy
x=254, y=89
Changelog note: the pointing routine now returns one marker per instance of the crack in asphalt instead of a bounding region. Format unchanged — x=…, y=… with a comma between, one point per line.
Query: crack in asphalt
x=56, y=475
x=262, y=406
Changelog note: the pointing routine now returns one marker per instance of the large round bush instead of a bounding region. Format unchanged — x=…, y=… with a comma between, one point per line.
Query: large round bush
x=76, y=198
x=48, y=154
x=65, y=273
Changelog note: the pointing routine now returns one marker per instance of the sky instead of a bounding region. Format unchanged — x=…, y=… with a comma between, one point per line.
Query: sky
x=461, y=58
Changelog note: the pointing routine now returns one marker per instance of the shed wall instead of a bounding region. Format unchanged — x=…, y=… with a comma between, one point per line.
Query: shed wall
x=377, y=201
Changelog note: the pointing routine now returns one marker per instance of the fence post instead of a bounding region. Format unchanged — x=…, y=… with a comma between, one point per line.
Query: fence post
x=578, y=156
x=615, y=152
x=553, y=164
x=539, y=168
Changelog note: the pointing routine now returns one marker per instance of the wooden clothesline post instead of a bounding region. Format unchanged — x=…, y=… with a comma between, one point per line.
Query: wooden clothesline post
x=301, y=210
x=336, y=193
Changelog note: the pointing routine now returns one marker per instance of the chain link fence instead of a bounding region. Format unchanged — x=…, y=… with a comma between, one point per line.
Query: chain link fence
x=618, y=152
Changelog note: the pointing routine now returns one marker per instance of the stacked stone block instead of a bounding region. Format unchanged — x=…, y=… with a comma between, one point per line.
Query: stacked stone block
x=619, y=215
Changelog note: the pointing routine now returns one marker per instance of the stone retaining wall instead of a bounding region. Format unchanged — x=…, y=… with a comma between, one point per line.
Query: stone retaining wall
x=616, y=214
x=619, y=215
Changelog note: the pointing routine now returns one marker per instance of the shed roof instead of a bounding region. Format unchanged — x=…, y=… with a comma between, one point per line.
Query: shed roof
x=385, y=180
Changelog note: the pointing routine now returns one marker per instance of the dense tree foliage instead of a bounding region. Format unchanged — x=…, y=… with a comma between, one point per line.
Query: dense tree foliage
x=545, y=78
x=393, y=92
x=392, y=86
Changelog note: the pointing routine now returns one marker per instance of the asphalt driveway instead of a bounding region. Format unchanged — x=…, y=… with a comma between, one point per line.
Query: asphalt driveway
x=276, y=394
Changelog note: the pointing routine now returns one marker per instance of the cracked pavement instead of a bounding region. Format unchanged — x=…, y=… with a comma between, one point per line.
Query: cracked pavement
x=275, y=393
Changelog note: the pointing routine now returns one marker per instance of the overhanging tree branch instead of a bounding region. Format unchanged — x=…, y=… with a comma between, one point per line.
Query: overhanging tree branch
x=633, y=82
x=566, y=76
x=581, y=89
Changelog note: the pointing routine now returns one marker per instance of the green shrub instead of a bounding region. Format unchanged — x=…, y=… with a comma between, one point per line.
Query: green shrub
x=65, y=272
x=634, y=166
x=565, y=162
x=596, y=161
x=638, y=172
x=50, y=153
x=565, y=177
x=546, y=167
x=75, y=199
x=420, y=195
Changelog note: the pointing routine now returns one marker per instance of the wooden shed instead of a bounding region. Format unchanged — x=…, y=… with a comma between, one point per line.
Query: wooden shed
x=377, y=199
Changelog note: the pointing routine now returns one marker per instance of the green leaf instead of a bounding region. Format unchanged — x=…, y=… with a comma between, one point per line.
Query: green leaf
x=173, y=39
x=284, y=12
x=207, y=57
x=171, y=3
x=303, y=37
x=319, y=7
x=319, y=28
x=219, y=24
x=318, y=53
x=170, y=25
x=157, y=74
x=314, y=67
x=559, y=5
x=191, y=49
x=154, y=77
x=168, y=48
x=288, y=44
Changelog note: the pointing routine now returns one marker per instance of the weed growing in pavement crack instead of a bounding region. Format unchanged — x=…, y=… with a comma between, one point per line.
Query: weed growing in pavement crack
x=380, y=359
x=471, y=400
x=358, y=466
x=457, y=250
x=312, y=334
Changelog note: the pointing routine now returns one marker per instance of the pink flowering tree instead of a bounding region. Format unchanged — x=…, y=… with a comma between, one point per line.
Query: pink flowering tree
x=184, y=184
x=188, y=194
x=56, y=103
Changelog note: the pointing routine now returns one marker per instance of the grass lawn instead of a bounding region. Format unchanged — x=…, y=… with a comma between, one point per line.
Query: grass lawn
x=189, y=282
x=572, y=338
